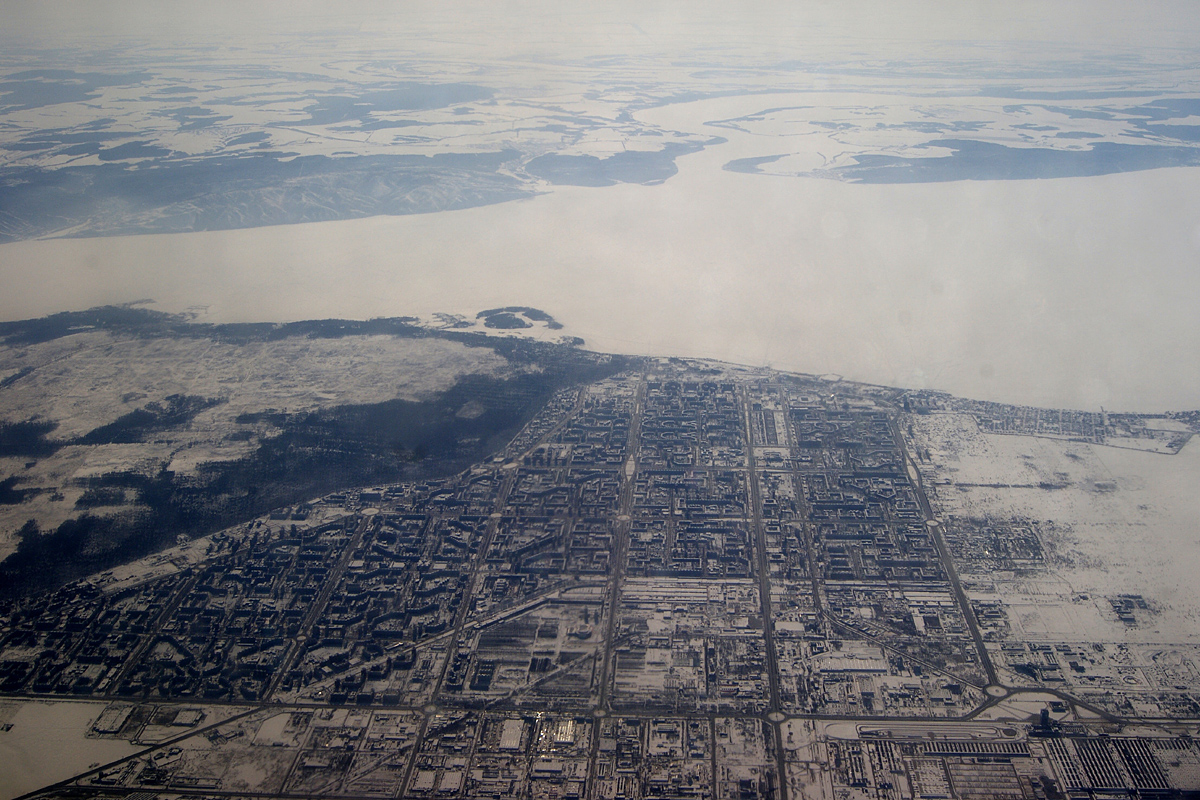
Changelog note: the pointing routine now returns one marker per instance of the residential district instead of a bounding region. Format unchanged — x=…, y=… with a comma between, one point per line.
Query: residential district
x=687, y=581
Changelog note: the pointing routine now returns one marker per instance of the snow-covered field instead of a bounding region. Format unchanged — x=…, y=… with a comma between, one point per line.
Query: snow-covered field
x=88, y=380
x=48, y=742
x=1123, y=522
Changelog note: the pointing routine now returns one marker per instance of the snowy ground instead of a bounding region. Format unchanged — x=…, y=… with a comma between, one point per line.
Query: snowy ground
x=90, y=379
x=1125, y=522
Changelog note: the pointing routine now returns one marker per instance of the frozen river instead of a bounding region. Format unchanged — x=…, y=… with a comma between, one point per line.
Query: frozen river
x=1074, y=292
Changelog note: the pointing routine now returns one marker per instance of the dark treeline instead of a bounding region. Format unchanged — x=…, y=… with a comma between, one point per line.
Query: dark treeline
x=315, y=454
x=145, y=322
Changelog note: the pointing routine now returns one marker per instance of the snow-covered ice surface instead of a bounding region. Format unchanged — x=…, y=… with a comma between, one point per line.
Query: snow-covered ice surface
x=756, y=187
